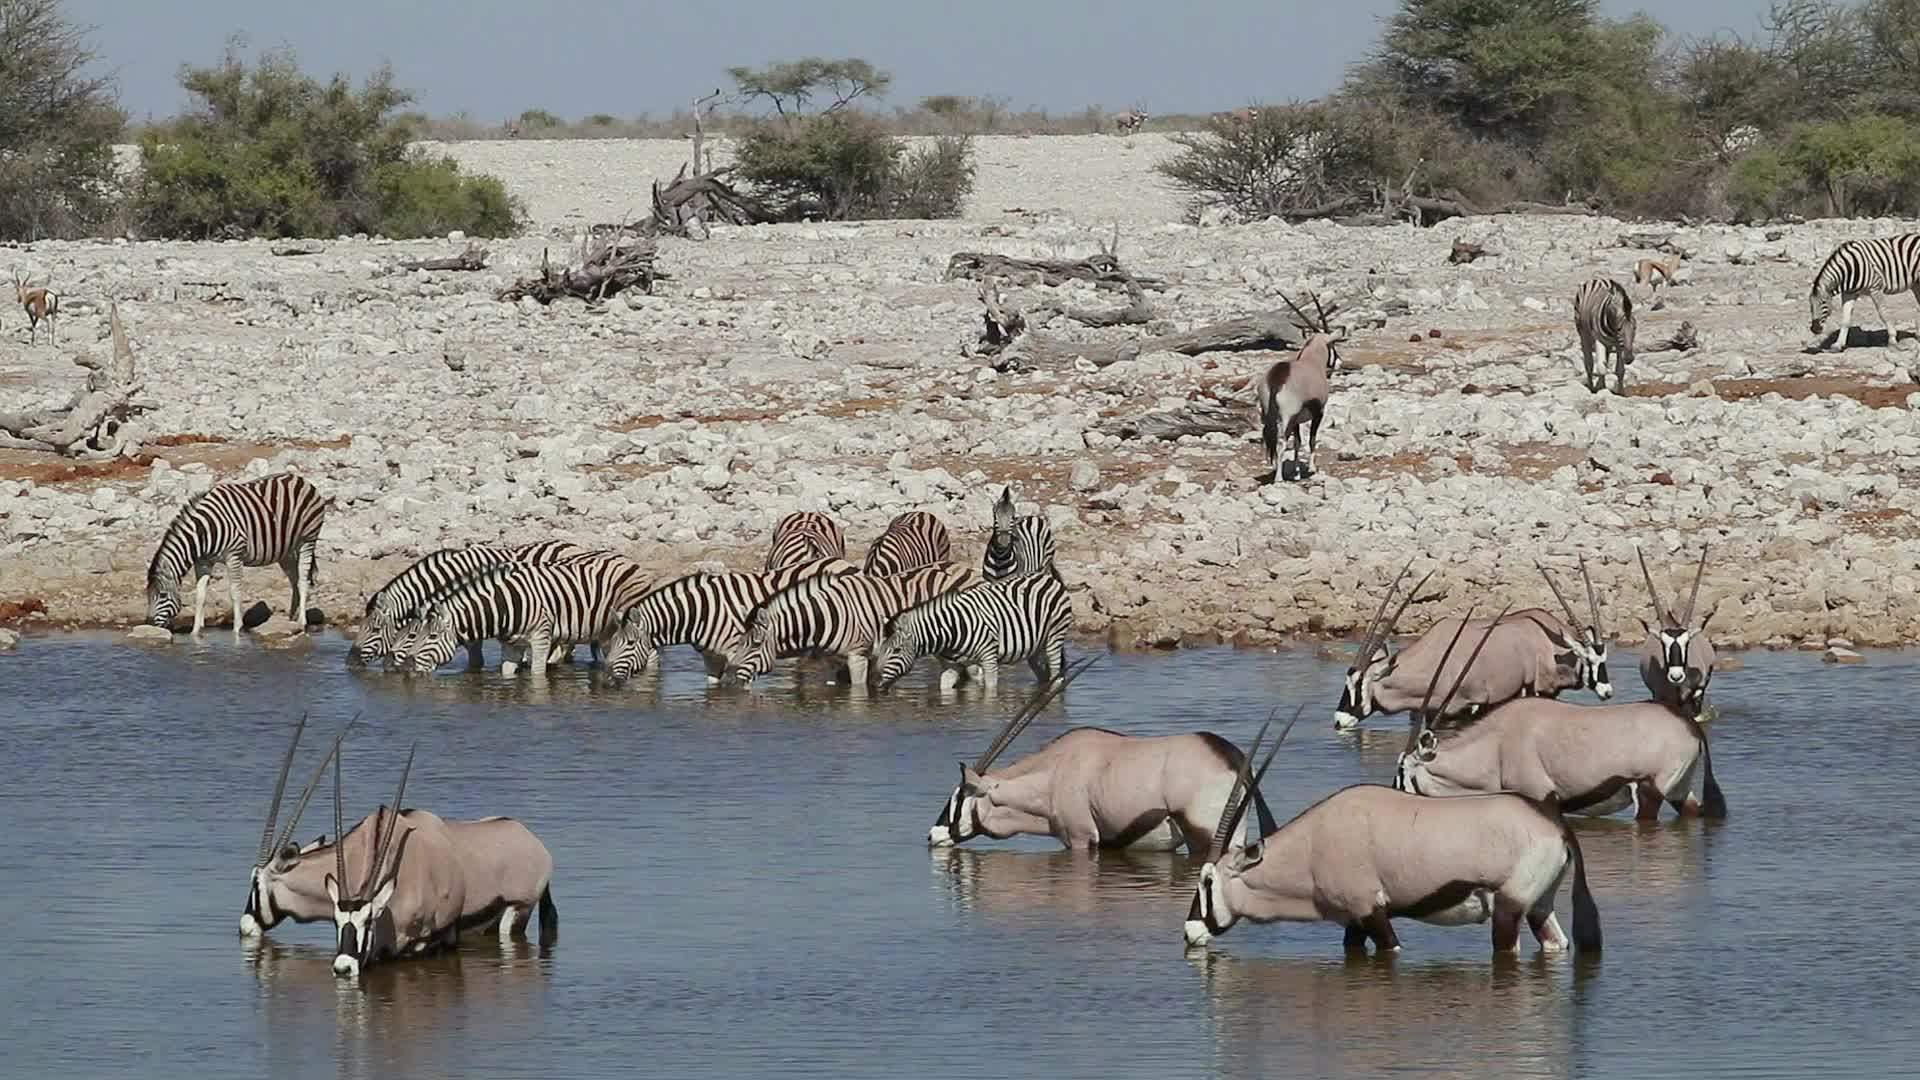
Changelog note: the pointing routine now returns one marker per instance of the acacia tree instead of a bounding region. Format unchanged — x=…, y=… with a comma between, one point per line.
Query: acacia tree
x=58, y=121
x=790, y=87
x=1490, y=63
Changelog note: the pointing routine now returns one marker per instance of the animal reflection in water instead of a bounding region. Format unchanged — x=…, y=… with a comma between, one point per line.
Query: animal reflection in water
x=1118, y=888
x=1299, y=1017
x=1093, y=788
x=1368, y=854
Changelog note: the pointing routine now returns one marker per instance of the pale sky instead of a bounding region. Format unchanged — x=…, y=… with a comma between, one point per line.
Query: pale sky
x=494, y=58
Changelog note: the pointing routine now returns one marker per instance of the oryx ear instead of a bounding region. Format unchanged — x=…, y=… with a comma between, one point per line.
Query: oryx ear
x=384, y=896
x=1643, y=625
x=969, y=778
x=1428, y=743
x=333, y=890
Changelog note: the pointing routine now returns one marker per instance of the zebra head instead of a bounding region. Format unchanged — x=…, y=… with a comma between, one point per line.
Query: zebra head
x=756, y=651
x=899, y=648
x=378, y=633
x=163, y=595
x=631, y=649
x=433, y=641
x=1819, y=308
x=1003, y=517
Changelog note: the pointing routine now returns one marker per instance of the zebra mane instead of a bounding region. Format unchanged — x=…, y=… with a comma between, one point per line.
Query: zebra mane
x=471, y=582
x=799, y=591
x=180, y=523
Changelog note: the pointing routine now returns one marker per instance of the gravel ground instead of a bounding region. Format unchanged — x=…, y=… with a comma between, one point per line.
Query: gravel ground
x=821, y=366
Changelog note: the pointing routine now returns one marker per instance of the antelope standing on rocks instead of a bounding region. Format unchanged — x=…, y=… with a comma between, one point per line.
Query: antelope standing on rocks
x=1296, y=390
x=1093, y=788
x=41, y=305
x=1129, y=122
x=1368, y=854
x=1677, y=662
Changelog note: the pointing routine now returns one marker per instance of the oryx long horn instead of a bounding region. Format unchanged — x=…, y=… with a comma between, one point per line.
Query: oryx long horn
x=280, y=790
x=1694, y=598
x=1472, y=656
x=385, y=842
x=1242, y=777
x=339, y=839
x=1573, y=620
x=1306, y=321
x=1659, y=610
x=1326, y=324
x=1426, y=699
x=1366, y=642
x=1028, y=711
x=1386, y=631
x=1593, y=604
x=1247, y=784
x=306, y=795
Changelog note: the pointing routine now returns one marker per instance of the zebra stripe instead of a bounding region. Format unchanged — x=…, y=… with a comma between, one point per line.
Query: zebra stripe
x=566, y=602
x=272, y=520
x=988, y=624
x=805, y=536
x=707, y=611
x=1018, y=545
x=836, y=616
x=1603, y=313
x=1867, y=268
x=912, y=540
x=400, y=598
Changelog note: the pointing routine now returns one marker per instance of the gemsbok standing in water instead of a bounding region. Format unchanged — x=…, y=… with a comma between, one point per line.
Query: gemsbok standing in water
x=409, y=906
x=1603, y=316
x=1677, y=662
x=1866, y=268
x=1296, y=391
x=1093, y=788
x=286, y=882
x=1533, y=654
x=1368, y=854
x=275, y=519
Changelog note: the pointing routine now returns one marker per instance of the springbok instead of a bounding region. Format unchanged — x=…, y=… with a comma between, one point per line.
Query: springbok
x=415, y=907
x=1677, y=661
x=1533, y=654
x=1094, y=788
x=40, y=303
x=1297, y=389
x=1368, y=854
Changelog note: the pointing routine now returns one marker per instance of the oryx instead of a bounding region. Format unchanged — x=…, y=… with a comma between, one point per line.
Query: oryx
x=1533, y=653
x=1368, y=854
x=286, y=882
x=1296, y=390
x=415, y=907
x=1093, y=788
x=1677, y=661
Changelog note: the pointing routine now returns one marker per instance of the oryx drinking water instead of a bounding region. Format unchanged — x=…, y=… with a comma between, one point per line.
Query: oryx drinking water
x=1533, y=653
x=1368, y=854
x=409, y=905
x=1094, y=788
x=1677, y=661
x=286, y=881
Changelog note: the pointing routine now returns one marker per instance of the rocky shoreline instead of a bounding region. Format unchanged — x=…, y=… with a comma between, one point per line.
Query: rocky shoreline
x=820, y=367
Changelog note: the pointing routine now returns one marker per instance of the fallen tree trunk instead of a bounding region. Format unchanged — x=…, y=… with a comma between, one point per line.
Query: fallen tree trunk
x=91, y=424
x=473, y=258
x=691, y=203
x=1684, y=339
x=1464, y=252
x=1102, y=270
x=1272, y=331
x=608, y=267
x=1137, y=312
x=1195, y=418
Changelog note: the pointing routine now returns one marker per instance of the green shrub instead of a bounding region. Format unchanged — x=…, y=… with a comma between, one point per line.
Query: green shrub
x=933, y=181
x=271, y=152
x=835, y=166
x=57, y=128
x=1292, y=160
x=539, y=119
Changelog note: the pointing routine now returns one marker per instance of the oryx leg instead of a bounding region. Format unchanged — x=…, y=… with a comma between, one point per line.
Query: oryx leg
x=1546, y=930
x=1381, y=929
x=1315, y=409
x=1680, y=787
x=1506, y=925
x=1646, y=801
x=1355, y=940
x=513, y=921
x=233, y=587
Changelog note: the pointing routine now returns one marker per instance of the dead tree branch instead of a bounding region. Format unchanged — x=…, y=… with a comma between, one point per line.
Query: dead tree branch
x=1463, y=252
x=91, y=424
x=1267, y=330
x=609, y=265
x=473, y=258
x=689, y=204
x=1201, y=417
x=1683, y=340
x=1102, y=270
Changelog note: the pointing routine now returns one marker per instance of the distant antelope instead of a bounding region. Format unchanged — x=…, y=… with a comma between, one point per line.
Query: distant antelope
x=1655, y=271
x=41, y=303
x=1603, y=315
x=1297, y=389
x=1368, y=854
x=1677, y=662
x=1129, y=122
x=1867, y=268
x=1533, y=653
x=1093, y=788
x=1240, y=117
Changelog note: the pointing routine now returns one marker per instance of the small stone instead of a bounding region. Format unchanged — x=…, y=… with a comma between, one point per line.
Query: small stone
x=9, y=639
x=151, y=633
x=457, y=237
x=455, y=357
x=1085, y=476
x=1838, y=655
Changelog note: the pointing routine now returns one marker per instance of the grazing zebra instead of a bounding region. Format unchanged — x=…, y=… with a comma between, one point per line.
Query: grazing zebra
x=1010, y=619
x=399, y=599
x=912, y=540
x=706, y=611
x=531, y=607
x=1603, y=313
x=272, y=520
x=1018, y=545
x=836, y=616
x=1864, y=268
x=805, y=536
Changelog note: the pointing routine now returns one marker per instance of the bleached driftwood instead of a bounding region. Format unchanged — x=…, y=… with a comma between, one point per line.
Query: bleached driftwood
x=609, y=265
x=90, y=425
x=1200, y=417
x=473, y=258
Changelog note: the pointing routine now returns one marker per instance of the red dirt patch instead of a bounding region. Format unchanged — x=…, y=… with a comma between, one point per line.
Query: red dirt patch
x=16, y=611
x=211, y=450
x=1873, y=397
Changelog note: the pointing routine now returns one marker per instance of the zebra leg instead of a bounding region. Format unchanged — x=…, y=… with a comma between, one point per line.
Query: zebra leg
x=857, y=673
x=475, y=659
x=202, y=577
x=233, y=587
x=1846, y=321
x=1892, y=338
x=539, y=647
x=1586, y=356
x=990, y=672
x=1619, y=373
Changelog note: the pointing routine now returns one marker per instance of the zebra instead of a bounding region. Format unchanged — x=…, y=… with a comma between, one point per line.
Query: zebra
x=912, y=540
x=401, y=598
x=805, y=536
x=532, y=607
x=1018, y=545
x=1864, y=268
x=1009, y=619
x=274, y=519
x=836, y=616
x=706, y=611
x=1603, y=313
